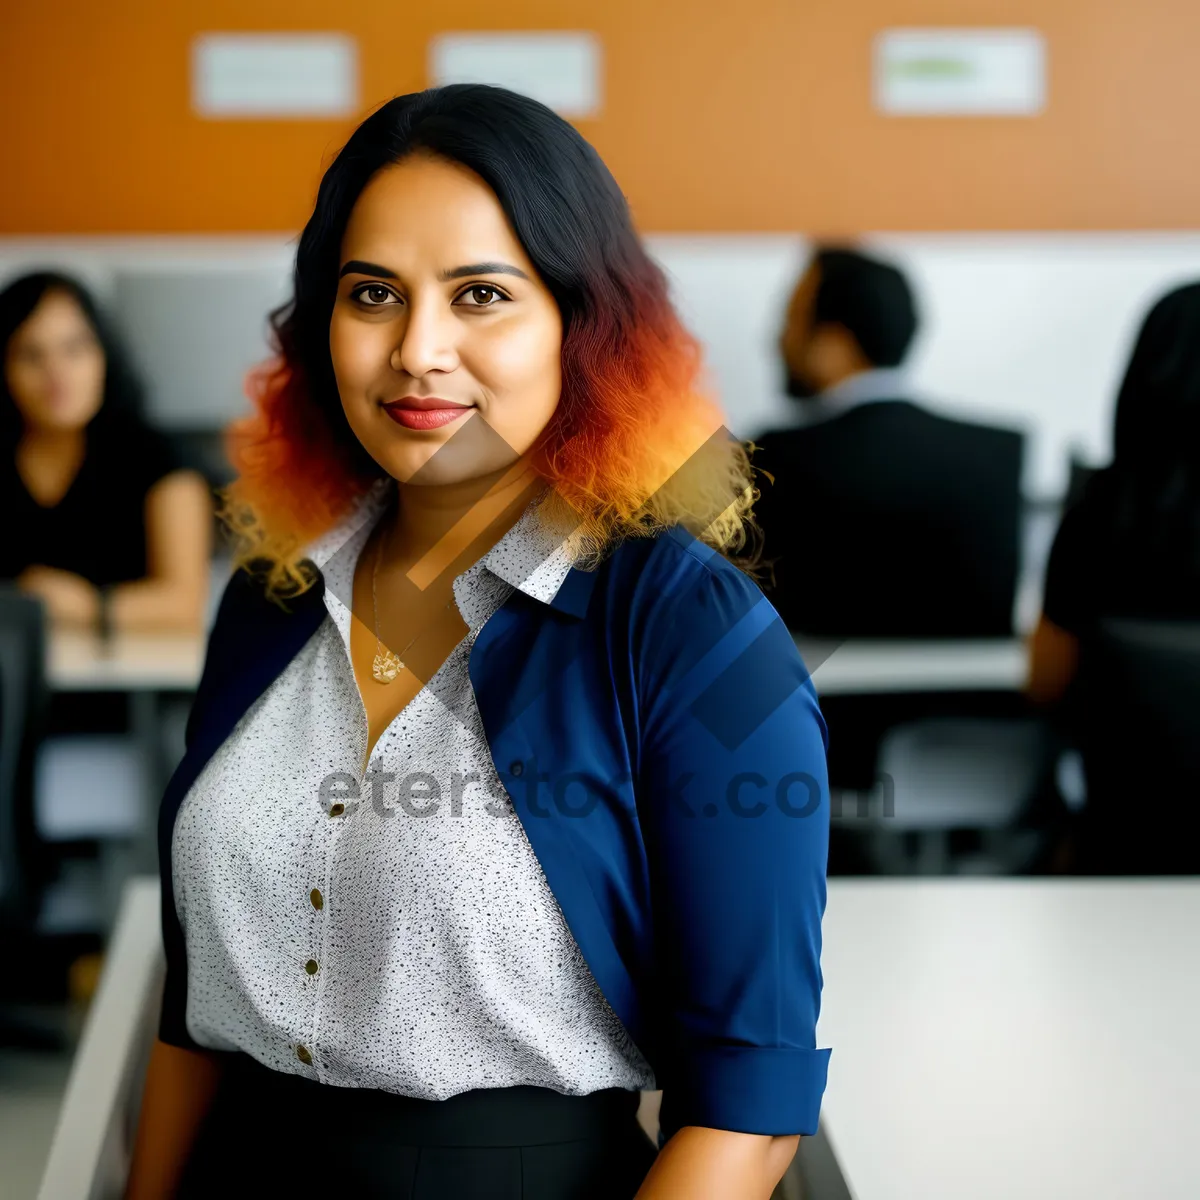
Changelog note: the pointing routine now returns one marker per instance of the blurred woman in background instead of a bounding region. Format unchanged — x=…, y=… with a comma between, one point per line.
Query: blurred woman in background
x=1130, y=546
x=102, y=520
x=1122, y=601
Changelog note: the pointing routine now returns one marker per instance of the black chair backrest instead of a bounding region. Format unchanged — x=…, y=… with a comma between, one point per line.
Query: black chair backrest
x=23, y=699
x=1139, y=710
x=1077, y=481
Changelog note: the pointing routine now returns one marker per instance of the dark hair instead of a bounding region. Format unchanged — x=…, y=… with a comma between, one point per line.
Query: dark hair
x=123, y=397
x=1152, y=487
x=567, y=210
x=871, y=299
x=630, y=414
x=1160, y=394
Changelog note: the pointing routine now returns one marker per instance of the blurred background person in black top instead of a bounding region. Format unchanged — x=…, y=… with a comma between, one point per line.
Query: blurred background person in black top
x=102, y=520
x=1117, y=651
x=884, y=519
x=1130, y=546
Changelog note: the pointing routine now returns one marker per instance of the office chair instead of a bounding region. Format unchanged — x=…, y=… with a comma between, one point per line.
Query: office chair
x=1137, y=703
x=23, y=699
x=22, y=710
x=939, y=776
x=1081, y=474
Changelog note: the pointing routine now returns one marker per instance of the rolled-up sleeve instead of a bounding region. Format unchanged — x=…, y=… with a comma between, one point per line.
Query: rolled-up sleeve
x=734, y=803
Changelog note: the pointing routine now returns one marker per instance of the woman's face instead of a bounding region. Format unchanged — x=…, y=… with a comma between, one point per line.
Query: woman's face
x=54, y=366
x=438, y=300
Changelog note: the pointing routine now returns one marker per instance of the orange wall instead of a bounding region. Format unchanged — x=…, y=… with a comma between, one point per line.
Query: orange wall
x=718, y=116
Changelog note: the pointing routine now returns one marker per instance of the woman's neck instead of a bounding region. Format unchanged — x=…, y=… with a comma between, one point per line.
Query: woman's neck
x=47, y=440
x=432, y=526
x=47, y=461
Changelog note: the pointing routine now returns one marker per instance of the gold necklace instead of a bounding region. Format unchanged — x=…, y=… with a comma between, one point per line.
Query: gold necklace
x=387, y=665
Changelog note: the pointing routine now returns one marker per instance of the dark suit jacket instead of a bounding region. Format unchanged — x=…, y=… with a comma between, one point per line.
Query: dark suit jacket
x=890, y=521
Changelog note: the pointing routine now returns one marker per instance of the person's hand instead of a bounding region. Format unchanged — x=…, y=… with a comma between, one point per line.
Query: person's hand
x=69, y=598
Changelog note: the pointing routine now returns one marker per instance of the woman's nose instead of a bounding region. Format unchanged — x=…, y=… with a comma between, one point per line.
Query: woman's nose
x=428, y=341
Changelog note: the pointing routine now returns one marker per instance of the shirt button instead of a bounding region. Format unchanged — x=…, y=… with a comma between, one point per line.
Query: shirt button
x=311, y=966
x=337, y=810
x=516, y=767
x=317, y=899
x=303, y=1055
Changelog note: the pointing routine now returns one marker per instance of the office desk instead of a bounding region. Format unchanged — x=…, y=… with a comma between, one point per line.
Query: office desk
x=172, y=662
x=133, y=662
x=862, y=667
x=145, y=666
x=77, y=661
x=996, y=1039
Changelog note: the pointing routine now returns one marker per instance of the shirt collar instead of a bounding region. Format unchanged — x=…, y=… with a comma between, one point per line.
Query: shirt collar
x=534, y=555
x=867, y=387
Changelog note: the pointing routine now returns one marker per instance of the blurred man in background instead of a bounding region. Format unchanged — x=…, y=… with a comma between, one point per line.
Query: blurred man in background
x=884, y=519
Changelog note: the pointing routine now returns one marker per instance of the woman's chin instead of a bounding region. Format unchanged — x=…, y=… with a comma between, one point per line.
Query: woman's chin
x=61, y=420
x=454, y=455
x=429, y=465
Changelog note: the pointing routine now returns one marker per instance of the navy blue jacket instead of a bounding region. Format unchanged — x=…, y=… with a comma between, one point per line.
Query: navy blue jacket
x=663, y=747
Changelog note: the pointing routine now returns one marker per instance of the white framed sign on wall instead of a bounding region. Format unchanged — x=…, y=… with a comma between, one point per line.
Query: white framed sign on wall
x=960, y=72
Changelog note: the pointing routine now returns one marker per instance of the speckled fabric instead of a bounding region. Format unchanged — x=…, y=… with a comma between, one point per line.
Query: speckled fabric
x=400, y=943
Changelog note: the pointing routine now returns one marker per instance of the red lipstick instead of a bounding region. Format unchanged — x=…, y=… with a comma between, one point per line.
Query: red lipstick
x=425, y=412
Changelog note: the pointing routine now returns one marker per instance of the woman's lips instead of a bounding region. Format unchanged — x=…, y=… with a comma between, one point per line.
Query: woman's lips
x=427, y=418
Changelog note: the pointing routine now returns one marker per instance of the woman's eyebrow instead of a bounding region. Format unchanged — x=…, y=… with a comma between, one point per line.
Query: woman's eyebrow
x=357, y=267
x=483, y=268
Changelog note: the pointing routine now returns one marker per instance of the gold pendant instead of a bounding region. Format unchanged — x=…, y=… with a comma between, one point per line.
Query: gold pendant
x=386, y=666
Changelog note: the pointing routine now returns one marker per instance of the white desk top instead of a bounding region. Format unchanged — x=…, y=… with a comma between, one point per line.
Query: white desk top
x=173, y=661
x=1013, y=1038
x=859, y=666
x=76, y=662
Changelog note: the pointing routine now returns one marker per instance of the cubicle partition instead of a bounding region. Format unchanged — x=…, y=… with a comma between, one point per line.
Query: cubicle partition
x=89, y=1157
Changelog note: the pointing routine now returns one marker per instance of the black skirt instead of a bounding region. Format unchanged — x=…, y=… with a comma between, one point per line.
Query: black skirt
x=269, y=1133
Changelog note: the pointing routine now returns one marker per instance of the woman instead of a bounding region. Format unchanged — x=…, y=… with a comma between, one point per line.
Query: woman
x=1130, y=547
x=505, y=794
x=103, y=523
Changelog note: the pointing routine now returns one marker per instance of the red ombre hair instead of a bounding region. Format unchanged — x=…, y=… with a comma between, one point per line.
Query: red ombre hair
x=635, y=444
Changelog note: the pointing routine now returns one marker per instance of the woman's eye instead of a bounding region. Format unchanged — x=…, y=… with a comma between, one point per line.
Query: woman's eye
x=482, y=295
x=373, y=295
